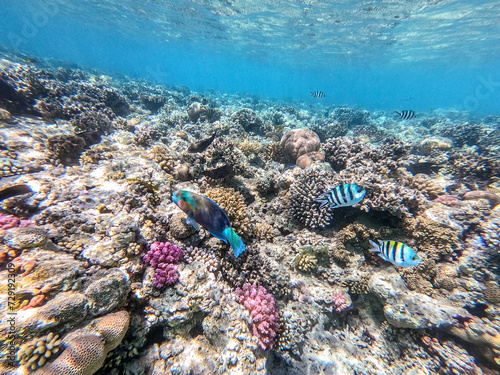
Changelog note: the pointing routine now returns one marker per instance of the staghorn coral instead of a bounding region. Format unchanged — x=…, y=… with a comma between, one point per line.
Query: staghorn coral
x=310, y=184
x=203, y=256
x=263, y=313
x=299, y=142
x=35, y=353
x=233, y=203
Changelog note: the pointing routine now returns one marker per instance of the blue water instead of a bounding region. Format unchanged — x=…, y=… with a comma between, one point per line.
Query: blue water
x=421, y=55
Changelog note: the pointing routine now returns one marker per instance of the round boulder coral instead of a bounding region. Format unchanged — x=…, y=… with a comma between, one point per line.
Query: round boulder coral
x=298, y=142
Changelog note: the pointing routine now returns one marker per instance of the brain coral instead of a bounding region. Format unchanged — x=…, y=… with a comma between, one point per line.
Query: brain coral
x=84, y=356
x=86, y=349
x=298, y=142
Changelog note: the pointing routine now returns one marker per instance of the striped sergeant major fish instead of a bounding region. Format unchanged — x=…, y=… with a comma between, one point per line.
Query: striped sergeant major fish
x=344, y=195
x=405, y=114
x=317, y=94
x=397, y=253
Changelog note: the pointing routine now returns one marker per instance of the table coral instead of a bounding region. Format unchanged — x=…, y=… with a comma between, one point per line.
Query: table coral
x=263, y=313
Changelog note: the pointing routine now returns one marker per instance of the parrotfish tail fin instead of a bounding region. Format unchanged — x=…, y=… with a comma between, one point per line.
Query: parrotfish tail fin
x=235, y=241
x=375, y=247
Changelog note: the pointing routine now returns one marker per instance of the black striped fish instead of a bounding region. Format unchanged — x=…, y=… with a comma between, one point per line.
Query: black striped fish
x=317, y=94
x=397, y=253
x=405, y=114
x=344, y=195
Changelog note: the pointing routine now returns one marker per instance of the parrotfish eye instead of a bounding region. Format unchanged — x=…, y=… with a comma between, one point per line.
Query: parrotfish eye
x=414, y=257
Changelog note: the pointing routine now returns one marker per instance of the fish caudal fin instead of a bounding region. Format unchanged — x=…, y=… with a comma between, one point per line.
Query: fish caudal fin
x=375, y=247
x=235, y=241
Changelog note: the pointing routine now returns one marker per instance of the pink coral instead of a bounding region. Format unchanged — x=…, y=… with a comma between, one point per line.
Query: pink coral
x=263, y=312
x=165, y=275
x=449, y=200
x=340, y=303
x=163, y=252
x=164, y=256
x=10, y=221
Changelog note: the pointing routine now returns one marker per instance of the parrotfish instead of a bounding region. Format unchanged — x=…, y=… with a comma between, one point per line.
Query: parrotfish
x=13, y=191
x=204, y=211
x=201, y=145
x=397, y=253
x=344, y=195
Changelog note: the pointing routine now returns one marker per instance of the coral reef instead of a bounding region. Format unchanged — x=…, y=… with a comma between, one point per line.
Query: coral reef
x=103, y=154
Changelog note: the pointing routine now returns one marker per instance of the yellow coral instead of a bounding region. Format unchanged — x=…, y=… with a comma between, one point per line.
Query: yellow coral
x=305, y=261
x=35, y=353
x=233, y=203
x=249, y=147
x=264, y=231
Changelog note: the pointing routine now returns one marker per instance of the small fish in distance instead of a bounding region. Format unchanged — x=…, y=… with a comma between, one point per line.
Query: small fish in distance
x=201, y=145
x=317, y=94
x=13, y=191
x=397, y=253
x=204, y=211
x=344, y=195
x=405, y=114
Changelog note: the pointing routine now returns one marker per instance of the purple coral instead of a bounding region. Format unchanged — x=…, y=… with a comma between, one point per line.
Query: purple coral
x=340, y=303
x=165, y=275
x=164, y=256
x=263, y=312
x=163, y=252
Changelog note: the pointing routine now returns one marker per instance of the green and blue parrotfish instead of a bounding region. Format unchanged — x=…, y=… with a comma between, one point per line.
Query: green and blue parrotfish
x=204, y=211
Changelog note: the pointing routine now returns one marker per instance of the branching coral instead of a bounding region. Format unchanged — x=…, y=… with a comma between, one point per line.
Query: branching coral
x=203, y=256
x=310, y=184
x=65, y=149
x=263, y=313
x=163, y=257
x=36, y=352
